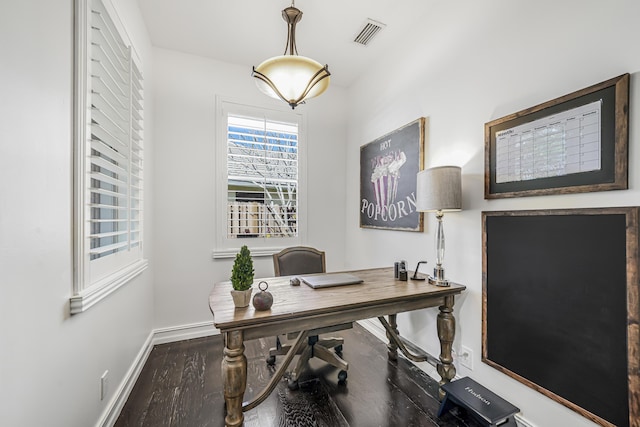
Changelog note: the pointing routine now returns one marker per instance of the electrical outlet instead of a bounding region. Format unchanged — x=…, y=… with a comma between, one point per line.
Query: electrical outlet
x=104, y=385
x=466, y=357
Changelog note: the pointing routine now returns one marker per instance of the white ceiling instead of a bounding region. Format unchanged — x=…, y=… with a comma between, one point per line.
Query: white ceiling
x=246, y=32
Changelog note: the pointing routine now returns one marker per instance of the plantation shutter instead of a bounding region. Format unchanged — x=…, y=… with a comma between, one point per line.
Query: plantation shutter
x=115, y=145
x=262, y=177
x=136, y=160
x=109, y=156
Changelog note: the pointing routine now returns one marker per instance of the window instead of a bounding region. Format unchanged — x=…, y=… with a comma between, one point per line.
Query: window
x=108, y=156
x=260, y=187
x=262, y=177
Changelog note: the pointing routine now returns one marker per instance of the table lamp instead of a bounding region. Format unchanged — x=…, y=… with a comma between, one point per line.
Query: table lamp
x=439, y=190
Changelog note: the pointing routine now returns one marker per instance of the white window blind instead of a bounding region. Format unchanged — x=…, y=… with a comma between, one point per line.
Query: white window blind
x=109, y=157
x=260, y=185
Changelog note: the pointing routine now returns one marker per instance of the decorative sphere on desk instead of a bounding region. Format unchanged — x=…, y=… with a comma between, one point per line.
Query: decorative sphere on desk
x=263, y=300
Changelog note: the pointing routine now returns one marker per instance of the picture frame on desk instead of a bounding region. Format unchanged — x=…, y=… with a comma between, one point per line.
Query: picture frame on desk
x=572, y=144
x=388, y=169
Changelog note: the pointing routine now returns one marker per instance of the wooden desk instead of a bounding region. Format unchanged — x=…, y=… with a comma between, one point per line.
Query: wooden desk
x=303, y=309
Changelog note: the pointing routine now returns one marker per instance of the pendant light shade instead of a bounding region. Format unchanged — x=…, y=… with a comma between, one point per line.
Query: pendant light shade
x=291, y=77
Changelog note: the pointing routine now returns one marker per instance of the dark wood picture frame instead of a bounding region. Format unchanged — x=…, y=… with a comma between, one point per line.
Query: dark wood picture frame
x=388, y=178
x=614, y=136
x=541, y=300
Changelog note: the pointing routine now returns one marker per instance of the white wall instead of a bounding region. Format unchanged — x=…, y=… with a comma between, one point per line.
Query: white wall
x=185, y=88
x=51, y=363
x=468, y=63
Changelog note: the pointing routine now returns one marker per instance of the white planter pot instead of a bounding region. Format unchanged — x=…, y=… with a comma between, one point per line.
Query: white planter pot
x=241, y=298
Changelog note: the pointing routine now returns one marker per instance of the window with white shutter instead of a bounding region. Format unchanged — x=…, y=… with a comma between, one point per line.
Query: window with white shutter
x=108, y=156
x=260, y=187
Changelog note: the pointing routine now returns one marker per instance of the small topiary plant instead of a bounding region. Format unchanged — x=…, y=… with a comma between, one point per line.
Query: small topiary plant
x=242, y=272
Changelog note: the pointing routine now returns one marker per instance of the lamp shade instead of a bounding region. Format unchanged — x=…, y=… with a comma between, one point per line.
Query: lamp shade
x=297, y=78
x=439, y=189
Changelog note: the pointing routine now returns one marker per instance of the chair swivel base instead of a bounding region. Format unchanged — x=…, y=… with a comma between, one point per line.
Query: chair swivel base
x=319, y=348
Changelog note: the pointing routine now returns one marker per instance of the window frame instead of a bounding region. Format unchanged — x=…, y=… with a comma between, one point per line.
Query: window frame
x=95, y=279
x=226, y=247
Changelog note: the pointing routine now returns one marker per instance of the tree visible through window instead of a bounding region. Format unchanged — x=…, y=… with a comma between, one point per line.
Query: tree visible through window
x=262, y=177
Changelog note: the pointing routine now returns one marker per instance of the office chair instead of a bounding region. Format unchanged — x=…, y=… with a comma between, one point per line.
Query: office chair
x=299, y=260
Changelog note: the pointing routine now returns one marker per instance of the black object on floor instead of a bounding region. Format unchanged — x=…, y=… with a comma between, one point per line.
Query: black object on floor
x=485, y=406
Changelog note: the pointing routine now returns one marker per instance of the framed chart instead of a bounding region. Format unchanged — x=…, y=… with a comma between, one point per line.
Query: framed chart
x=573, y=144
x=388, y=169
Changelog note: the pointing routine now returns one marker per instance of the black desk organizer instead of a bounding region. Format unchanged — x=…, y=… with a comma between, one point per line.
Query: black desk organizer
x=486, y=407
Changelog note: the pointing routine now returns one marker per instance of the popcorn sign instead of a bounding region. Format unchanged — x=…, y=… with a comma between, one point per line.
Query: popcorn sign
x=388, y=169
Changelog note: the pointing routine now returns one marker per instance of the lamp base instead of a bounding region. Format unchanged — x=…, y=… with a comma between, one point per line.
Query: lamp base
x=438, y=277
x=439, y=282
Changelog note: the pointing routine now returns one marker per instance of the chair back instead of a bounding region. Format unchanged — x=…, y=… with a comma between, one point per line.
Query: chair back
x=298, y=260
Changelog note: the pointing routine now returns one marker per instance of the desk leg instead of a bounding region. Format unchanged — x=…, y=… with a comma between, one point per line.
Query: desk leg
x=234, y=374
x=393, y=346
x=446, y=324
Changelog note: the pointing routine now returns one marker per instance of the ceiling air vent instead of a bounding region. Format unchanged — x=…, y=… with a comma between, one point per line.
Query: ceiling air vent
x=368, y=32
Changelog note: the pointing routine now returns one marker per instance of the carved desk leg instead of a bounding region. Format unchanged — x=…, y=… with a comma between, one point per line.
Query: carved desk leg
x=392, y=346
x=446, y=324
x=234, y=374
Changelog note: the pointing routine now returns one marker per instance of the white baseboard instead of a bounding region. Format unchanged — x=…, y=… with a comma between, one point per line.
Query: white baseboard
x=184, y=332
x=113, y=409
x=204, y=329
x=522, y=421
x=374, y=327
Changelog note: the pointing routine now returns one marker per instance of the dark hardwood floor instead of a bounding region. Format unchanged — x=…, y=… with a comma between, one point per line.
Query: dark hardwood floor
x=181, y=385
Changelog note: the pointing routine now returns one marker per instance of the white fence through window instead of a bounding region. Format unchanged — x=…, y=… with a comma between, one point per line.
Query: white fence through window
x=253, y=219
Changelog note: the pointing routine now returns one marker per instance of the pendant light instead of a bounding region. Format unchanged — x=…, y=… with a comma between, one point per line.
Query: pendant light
x=291, y=77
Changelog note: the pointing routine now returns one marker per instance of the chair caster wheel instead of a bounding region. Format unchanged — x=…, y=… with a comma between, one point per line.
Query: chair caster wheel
x=338, y=348
x=342, y=377
x=292, y=384
x=271, y=360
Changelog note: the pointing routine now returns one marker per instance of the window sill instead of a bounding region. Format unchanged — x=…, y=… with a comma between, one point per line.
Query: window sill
x=97, y=292
x=255, y=252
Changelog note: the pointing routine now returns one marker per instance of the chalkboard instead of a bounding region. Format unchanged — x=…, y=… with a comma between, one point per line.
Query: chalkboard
x=560, y=306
